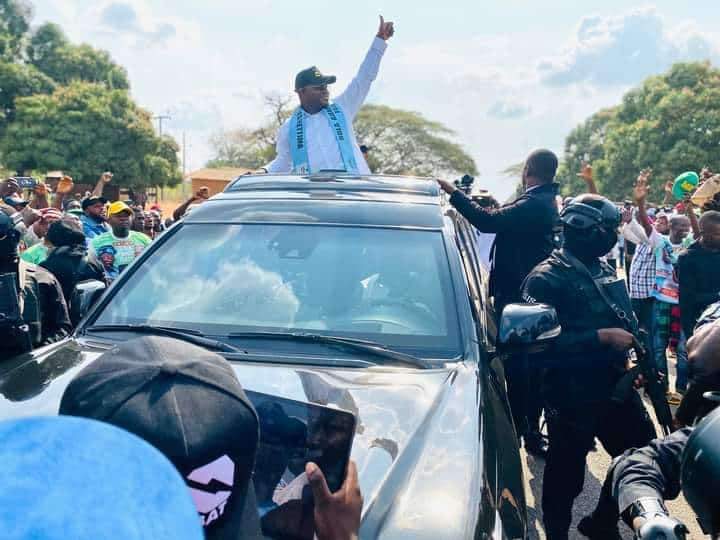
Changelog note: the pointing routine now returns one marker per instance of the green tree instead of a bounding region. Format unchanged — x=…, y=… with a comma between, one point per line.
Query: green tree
x=671, y=123
x=51, y=52
x=405, y=142
x=585, y=143
x=84, y=129
x=18, y=80
x=14, y=25
x=402, y=142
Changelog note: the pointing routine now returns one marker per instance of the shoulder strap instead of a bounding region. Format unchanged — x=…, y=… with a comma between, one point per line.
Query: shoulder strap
x=627, y=321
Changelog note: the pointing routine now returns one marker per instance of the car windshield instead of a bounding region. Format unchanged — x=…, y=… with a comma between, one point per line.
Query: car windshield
x=389, y=286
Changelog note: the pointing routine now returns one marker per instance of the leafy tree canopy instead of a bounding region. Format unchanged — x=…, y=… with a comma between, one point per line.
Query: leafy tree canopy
x=670, y=123
x=51, y=52
x=83, y=129
x=14, y=25
x=66, y=106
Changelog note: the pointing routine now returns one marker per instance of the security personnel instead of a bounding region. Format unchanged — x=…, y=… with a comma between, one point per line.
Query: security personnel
x=689, y=458
x=639, y=482
x=32, y=306
x=525, y=232
x=588, y=359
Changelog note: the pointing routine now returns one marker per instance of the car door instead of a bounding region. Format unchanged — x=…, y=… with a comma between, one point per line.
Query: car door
x=500, y=443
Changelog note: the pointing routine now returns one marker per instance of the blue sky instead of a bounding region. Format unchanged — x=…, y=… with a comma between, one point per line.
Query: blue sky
x=506, y=76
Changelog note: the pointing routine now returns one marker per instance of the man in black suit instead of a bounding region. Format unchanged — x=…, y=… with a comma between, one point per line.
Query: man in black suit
x=524, y=231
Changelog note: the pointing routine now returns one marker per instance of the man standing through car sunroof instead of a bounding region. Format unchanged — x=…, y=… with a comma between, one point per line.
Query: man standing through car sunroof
x=319, y=134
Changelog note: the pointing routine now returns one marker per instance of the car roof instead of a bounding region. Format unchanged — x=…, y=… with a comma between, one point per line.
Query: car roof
x=327, y=198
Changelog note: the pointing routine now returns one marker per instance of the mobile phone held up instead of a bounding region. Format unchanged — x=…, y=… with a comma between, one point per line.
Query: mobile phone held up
x=26, y=182
x=293, y=433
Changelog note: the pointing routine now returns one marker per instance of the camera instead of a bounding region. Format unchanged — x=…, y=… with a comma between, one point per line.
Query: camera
x=465, y=184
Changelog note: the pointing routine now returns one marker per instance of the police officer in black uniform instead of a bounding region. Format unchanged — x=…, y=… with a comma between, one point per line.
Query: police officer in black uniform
x=639, y=482
x=687, y=459
x=33, y=311
x=588, y=359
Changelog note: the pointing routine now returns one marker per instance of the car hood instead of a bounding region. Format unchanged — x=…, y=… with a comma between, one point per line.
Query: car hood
x=416, y=433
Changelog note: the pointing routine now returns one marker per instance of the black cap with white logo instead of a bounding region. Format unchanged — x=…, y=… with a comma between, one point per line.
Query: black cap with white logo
x=187, y=402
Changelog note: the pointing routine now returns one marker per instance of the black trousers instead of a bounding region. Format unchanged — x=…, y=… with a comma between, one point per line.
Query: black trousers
x=524, y=381
x=571, y=431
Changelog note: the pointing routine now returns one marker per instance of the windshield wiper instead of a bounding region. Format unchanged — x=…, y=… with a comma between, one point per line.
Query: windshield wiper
x=347, y=344
x=191, y=336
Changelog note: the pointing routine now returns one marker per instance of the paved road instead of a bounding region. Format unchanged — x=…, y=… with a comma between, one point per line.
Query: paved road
x=598, y=463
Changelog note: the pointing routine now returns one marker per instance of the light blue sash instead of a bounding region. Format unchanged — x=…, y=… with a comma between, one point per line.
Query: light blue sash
x=298, y=139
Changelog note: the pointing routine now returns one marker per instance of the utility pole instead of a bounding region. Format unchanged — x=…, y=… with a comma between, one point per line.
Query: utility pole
x=184, y=155
x=160, y=118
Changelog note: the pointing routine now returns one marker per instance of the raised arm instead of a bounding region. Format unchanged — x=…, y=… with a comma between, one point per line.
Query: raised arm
x=517, y=216
x=104, y=179
x=640, y=193
x=690, y=211
x=65, y=186
x=668, y=198
x=354, y=95
x=586, y=173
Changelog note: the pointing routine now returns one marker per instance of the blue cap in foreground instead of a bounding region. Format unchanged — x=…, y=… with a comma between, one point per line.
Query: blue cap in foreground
x=72, y=478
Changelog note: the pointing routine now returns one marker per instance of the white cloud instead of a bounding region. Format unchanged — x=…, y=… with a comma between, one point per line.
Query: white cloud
x=624, y=49
x=504, y=109
x=124, y=19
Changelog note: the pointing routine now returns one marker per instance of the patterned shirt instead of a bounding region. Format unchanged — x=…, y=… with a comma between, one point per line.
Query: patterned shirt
x=642, y=269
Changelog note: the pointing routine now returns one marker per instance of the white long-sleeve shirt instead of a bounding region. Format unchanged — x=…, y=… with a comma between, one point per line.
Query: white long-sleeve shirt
x=322, y=147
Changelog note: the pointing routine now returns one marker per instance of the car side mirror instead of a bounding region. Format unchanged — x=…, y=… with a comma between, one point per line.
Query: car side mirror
x=528, y=327
x=88, y=292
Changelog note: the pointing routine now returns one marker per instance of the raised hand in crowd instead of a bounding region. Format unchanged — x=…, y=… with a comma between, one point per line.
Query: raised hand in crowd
x=65, y=185
x=642, y=186
x=105, y=179
x=689, y=208
x=668, y=193
x=40, y=196
x=200, y=195
x=386, y=30
x=586, y=173
x=640, y=193
x=337, y=515
x=627, y=214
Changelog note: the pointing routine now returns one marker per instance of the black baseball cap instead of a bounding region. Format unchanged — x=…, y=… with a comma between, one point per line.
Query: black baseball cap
x=187, y=402
x=89, y=201
x=312, y=77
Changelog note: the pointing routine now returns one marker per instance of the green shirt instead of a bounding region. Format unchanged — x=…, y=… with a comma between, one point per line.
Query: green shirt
x=35, y=254
x=115, y=253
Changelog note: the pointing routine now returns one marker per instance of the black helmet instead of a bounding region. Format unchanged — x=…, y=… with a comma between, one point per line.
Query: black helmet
x=587, y=211
x=700, y=472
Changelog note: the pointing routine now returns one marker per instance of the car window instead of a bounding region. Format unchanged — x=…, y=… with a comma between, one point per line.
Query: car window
x=485, y=311
x=387, y=285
